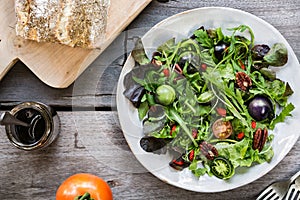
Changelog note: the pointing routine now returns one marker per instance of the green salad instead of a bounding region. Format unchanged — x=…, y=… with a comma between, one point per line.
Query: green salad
x=211, y=100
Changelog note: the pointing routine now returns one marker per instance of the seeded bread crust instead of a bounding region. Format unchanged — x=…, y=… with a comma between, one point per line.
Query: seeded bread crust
x=76, y=23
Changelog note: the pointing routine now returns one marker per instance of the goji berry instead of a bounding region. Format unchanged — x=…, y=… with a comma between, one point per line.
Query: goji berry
x=173, y=129
x=191, y=155
x=240, y=136
x=221, y=112
x=166, y=72
x=242, y=65
x=203, y=66
x=253, y=124
x=194, y=133
x=178, y=162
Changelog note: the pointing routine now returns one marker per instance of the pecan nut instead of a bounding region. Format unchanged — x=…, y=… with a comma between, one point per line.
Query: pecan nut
x=154, y=60
x=259, y=139
x=243, y=80
x=208, y=150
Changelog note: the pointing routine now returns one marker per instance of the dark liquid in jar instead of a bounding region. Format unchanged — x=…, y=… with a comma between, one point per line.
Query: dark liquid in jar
x=27, y=135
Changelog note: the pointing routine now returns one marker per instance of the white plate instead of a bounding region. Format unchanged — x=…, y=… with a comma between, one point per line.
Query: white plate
x=181, y=26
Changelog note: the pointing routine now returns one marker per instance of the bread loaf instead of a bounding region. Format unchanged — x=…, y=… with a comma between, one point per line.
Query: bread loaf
x=74, y=23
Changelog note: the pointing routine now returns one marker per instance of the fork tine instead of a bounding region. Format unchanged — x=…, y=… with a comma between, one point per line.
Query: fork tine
x=294, y=195
x=291, y=196
x=264, y=193
x=275, y=197
x=271, y=195
x=290, y=193
x=297, y=197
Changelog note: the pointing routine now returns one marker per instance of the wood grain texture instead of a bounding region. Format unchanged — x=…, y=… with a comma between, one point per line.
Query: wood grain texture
x=36, y=175
x=55, y=64
x=96, y=85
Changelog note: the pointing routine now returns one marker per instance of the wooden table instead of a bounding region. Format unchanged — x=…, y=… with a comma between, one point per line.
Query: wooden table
x=88, y=110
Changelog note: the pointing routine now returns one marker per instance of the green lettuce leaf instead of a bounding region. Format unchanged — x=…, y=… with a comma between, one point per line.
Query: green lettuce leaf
x=281, y=117
x=197, y=171
x=241, y=153
x=277, y=56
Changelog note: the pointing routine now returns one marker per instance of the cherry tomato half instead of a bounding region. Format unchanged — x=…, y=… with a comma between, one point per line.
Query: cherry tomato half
x=79, y=184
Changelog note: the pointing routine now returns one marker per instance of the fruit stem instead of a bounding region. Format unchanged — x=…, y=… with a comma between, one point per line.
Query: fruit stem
x=86, y=196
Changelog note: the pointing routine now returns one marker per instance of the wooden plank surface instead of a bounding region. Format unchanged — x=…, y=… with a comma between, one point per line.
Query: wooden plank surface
x=36, y=175
x=55, y=64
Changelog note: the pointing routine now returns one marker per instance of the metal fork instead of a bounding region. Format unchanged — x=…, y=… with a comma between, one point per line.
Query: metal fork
x=277, y=191
x=294, y=190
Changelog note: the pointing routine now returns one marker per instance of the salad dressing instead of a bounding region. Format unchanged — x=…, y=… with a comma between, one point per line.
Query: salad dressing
x=33, y=133
x=43, y=126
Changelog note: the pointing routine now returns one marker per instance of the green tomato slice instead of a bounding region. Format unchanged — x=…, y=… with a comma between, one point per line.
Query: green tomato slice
x=222, y=168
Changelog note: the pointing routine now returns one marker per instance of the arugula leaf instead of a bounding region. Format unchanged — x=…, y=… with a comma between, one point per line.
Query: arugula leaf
x=281, y=117
x=172, y=114
x=207, y=59
x=220, y=35
x=206, y=97
x=203, y=38
x=243, y=28
x=227, y=96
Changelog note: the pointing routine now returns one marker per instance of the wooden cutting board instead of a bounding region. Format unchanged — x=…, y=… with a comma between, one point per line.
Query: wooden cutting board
x=55, y=64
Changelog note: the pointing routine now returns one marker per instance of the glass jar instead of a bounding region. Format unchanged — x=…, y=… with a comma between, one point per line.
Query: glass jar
x=44, y=126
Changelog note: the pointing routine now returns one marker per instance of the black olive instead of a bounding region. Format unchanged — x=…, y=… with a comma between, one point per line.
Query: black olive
x=219, y=50
x=260, y=108
x=259, y=51
x=183, y=60
x=192, y=60
x=191, y=69
x=156, y=53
